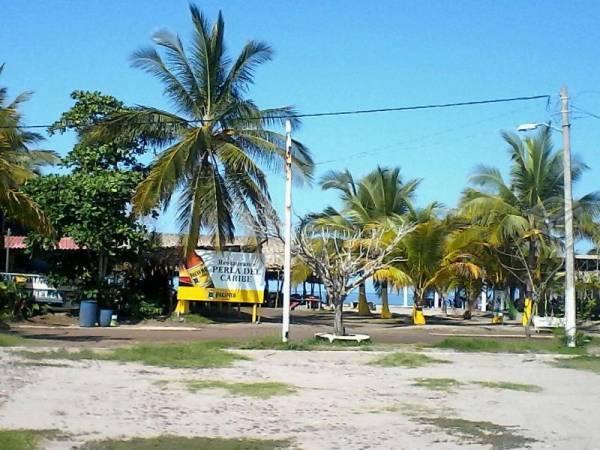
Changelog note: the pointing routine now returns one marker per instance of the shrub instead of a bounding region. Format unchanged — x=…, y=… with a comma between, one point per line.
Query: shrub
x=16, y=302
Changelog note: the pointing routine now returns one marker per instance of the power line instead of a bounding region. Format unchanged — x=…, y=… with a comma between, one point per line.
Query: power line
x=338, y=113
x=591, y=114
x=402, y=145
x=417, y=107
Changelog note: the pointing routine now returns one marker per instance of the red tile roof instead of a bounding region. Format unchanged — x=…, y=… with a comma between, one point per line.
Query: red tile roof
x=18, y=242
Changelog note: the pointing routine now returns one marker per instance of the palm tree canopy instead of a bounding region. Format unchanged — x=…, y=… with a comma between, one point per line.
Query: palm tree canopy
x=19, y=163
x=380, y=194
x=532, y=200
x=217, y=142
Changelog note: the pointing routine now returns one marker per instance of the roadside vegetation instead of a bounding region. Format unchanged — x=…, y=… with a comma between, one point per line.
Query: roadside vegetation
x=11, y=340
x=275, y=343
x=506, y=345
x=582, y=362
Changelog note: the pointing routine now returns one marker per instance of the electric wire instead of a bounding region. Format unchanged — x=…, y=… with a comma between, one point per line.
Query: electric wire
x=591, y=114
x=336, y=113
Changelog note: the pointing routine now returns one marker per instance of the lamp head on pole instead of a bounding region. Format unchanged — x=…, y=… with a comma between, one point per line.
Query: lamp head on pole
x=530, y=126
x=534, y=126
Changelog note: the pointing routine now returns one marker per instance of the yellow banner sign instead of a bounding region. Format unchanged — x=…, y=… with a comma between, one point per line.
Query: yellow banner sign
x=210, y=276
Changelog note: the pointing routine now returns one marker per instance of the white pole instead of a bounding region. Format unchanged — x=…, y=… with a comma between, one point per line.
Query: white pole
x=7, y=251
x=484, y=299
x=287, y=253
x=570, y=324
x=436, y=300
x=405, y=296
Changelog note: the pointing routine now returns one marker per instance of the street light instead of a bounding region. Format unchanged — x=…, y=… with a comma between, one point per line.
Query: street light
x=534, y=126
x=287, y=252
x=570, y=317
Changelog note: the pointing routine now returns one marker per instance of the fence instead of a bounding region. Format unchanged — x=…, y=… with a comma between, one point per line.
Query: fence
x=41, y=290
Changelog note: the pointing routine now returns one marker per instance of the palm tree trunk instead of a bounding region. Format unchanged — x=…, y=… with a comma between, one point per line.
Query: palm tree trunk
x=418, y=316
x=363, y=306
x=385, y=307
x=338, y=321
x=471, y=299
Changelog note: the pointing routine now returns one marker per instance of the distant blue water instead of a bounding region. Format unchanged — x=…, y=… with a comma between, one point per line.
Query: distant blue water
x=393, y=298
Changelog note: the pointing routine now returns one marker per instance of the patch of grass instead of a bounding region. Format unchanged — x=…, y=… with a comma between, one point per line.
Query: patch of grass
x=437, y=384
x=408, y=360
x=197, y=319
x=194, y=355
x=183, y=443
x=411, y=410
x=483, y=433
x=161, y=383
x=507, y=345
x=510, y=386
x=11, y=340
x=26, y=439
x=274, y=343
x=41, y=364
x=61, y=354
x=260, y=389
x=583, y=362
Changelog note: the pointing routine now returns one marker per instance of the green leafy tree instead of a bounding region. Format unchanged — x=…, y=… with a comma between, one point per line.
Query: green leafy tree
x=92, y=203
x=216, y=143
x=19, y=163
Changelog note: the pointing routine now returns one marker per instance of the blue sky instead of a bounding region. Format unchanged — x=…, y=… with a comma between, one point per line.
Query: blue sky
x=339, y=55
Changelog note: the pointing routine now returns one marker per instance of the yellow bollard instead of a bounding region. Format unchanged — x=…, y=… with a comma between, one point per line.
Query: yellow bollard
x=254, y=313
x=418, y=317
x=527, y=311
x=183, y=307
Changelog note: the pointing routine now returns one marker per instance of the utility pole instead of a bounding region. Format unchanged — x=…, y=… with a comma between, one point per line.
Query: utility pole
x=570, y=323
x=287, y=253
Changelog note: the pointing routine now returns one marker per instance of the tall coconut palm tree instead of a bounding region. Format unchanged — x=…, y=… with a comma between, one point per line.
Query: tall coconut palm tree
x=19, y=163
x=528, y=209
x=379, y=195
x=216, y=142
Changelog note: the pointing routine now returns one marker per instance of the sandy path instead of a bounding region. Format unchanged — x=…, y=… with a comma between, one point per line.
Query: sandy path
x=341, y=403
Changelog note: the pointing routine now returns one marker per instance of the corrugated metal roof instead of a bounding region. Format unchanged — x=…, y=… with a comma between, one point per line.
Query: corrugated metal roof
x=14, y=242
x=18, y=242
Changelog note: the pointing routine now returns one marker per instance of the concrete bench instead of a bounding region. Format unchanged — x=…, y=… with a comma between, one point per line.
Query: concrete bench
x=358, y=338
x=546, y=323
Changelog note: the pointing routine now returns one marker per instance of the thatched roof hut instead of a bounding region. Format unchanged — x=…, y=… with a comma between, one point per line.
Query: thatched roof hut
x=169, y=245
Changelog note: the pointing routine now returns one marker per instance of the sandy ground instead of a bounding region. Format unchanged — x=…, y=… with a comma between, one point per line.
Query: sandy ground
x=342, y=403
